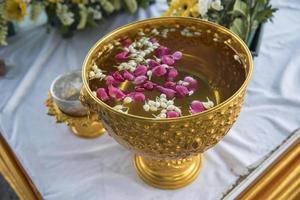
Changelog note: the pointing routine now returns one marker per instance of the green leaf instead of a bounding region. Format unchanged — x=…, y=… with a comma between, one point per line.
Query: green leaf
x=241, y=8
x=264, y=15
x=239, y=27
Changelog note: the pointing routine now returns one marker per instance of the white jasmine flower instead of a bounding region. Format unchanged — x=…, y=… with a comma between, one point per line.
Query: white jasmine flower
x=163, y=96
x=216, y=4
x=146, y=107
x=127, y=100
x=209, y=104
x=153, y=108
x=170, y=107
x=91, y=74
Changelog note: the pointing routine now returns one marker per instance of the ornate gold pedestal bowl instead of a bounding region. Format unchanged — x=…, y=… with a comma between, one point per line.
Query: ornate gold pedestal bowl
x=168, y=151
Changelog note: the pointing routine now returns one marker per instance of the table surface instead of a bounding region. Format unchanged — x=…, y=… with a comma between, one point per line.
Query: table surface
x=63, y=166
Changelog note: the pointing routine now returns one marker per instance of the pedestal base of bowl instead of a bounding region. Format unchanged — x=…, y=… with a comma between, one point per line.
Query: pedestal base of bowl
x=168, y=174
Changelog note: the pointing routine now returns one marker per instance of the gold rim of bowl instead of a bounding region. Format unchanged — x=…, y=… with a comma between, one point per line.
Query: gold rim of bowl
x=207, y=112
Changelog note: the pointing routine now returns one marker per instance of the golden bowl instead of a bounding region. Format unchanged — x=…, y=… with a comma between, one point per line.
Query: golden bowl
x=168, y=151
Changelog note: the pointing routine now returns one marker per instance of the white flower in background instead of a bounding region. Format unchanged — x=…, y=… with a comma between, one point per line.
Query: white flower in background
x=65, y=16
x=203, y=6
x=216, y=4
x=131, y=5
x=107, y=6
x=95, y=13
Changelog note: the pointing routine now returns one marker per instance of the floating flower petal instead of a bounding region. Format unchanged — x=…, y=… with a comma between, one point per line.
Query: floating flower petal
x=123, y=56
x=128, y=76
x=172, y=114
x=159, y=71
x=116, y=93
x=177, y=55
x=170, y=84
x=102, y=94
x=161, y=51
x=137, y=96
x=172, y=74
x=196, y=107
x=168, y=60
x=149, y=85
x=152, y=63
x=181, y=91
x=192, y=82
x=139, y=80
x=111, y=81
x=140, y=70
x=170, y=93
x=118, y=76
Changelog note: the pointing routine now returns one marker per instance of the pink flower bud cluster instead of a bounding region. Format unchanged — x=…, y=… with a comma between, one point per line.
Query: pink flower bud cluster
x=162, y=66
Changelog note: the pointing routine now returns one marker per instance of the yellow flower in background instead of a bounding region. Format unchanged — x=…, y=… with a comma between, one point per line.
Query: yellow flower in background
x=183, y=8
x=15, y=9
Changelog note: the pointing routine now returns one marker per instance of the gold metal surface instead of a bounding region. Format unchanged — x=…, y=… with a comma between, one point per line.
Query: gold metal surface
x=182, y=137
x=279, y=181
x=168, y=174
x=15, y=174
x=85, y=127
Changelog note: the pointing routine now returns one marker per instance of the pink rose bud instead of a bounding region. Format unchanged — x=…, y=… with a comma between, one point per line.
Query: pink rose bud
x=117, y=76
x=170, y=93
x=123, y=56
x=159, y=71
x=139, y=89
x=169, y=84
x=116, y=93
x=177, y=55
x=192, y=83
x=137, y=96
x=172, y=74
x=152, y=63
x=148, y=85
x=128, y=76
x=139, y=80
x=140, y=70
x=172, y=114
x=196, y=107
x=161, y=51
x=168, y=60
x=126, y=42
x=111, y=81
x=181, y=91
x=102, y=94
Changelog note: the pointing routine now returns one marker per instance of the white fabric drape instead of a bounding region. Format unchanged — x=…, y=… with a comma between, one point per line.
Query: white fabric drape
x=63, y=166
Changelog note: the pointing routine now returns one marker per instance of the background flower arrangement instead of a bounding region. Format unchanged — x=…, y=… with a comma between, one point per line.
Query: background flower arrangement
x=66, y=15
x=241, y=16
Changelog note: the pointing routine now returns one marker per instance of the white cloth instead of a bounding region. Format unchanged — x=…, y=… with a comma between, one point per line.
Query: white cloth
x=63, y=166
